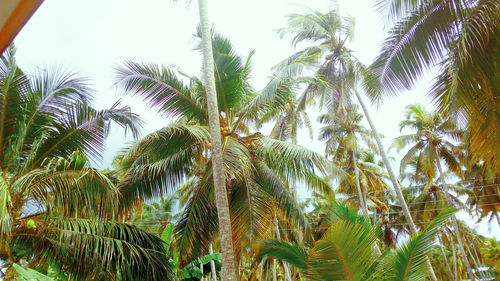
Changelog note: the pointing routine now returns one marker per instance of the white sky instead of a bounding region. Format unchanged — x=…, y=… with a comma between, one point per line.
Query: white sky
x=91, y=37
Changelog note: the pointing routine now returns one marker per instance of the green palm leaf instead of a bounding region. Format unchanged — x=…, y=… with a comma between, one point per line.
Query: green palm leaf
x=161, y=88
x=285, y=251
x=85, y=248
x=408, y=262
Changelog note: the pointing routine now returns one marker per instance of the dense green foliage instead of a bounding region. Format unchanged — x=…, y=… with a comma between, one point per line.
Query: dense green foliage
x=153, y=215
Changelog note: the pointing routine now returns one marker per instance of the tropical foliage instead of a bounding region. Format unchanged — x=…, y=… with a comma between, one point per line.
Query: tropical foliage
x=55, y=209
x=258, y=169
x=460, y=39
x=158, y=212
x=344, y=252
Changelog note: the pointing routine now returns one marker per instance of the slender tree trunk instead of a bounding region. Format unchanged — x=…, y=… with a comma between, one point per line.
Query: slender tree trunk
x=274, y=270
x=362, y=202
x=226, y=241
x=454, y=253
x=394, y=181
x=278, y=236
x=450, y=273
x=479, y=263
x=261, y=270
x=267, y=271
x=212, y=264
x=454, y=223
x=473, y=257
x=362, y=199
x=296, y=196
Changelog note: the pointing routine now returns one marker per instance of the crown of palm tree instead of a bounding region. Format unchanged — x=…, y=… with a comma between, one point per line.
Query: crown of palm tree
x=430, y=142
x=53, y=204
x=257, y=168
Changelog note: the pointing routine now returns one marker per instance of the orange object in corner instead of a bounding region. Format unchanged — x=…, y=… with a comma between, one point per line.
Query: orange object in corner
x=16, y=19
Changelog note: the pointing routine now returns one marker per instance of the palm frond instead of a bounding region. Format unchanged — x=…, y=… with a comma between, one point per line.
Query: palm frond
x=291, y=160
x=408, y=262
x=161, y=88
x=285, y=251
x=161, y=161
x=69, y=186
x=343, y=253
x=86, y=248
x=5, y=208
x=415, y=44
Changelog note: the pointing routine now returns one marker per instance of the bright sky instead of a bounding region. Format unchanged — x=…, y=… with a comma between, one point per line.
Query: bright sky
x=92, y=37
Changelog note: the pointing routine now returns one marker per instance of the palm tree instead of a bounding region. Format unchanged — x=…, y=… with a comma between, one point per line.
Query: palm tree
x=341, y=71
x=459, y=38
x=54, y=207
x=484, y=187
x=288, y=118
x=341, y=134
x=430, y=143
x=287, y=114
x=228, y=257
x=344, y=251
x=257, y=168
x=153, y=217
x=431, y=146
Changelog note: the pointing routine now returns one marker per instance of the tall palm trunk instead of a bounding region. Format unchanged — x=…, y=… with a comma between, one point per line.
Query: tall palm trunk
x=454, y=222
x=394, y=181
x=212, y=264
x=228, y=257
x=274, y=270
x=455, y=264
x=450, y=273
x=296, y=195
x=362, y=201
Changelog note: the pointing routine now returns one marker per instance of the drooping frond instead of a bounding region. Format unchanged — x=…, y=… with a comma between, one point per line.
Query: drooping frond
x=161, y=88
x=161, y=161
x=69, y=186
x=285, y=251
x=86, y=248
x=414, y=45
x=199, y=222
x=289, y=159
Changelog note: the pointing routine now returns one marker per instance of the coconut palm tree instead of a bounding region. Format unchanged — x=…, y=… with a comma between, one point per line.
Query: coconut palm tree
x=339, y=68
x=459, y=38
x=228, y=257
x=56, y=209
x=344, y=251
x=288, y=118
x=154, y=216
x=431, y=145
x=257, y=168
x=430, y=142
x=484, y=190
x=341, y=134
x=341, y=71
